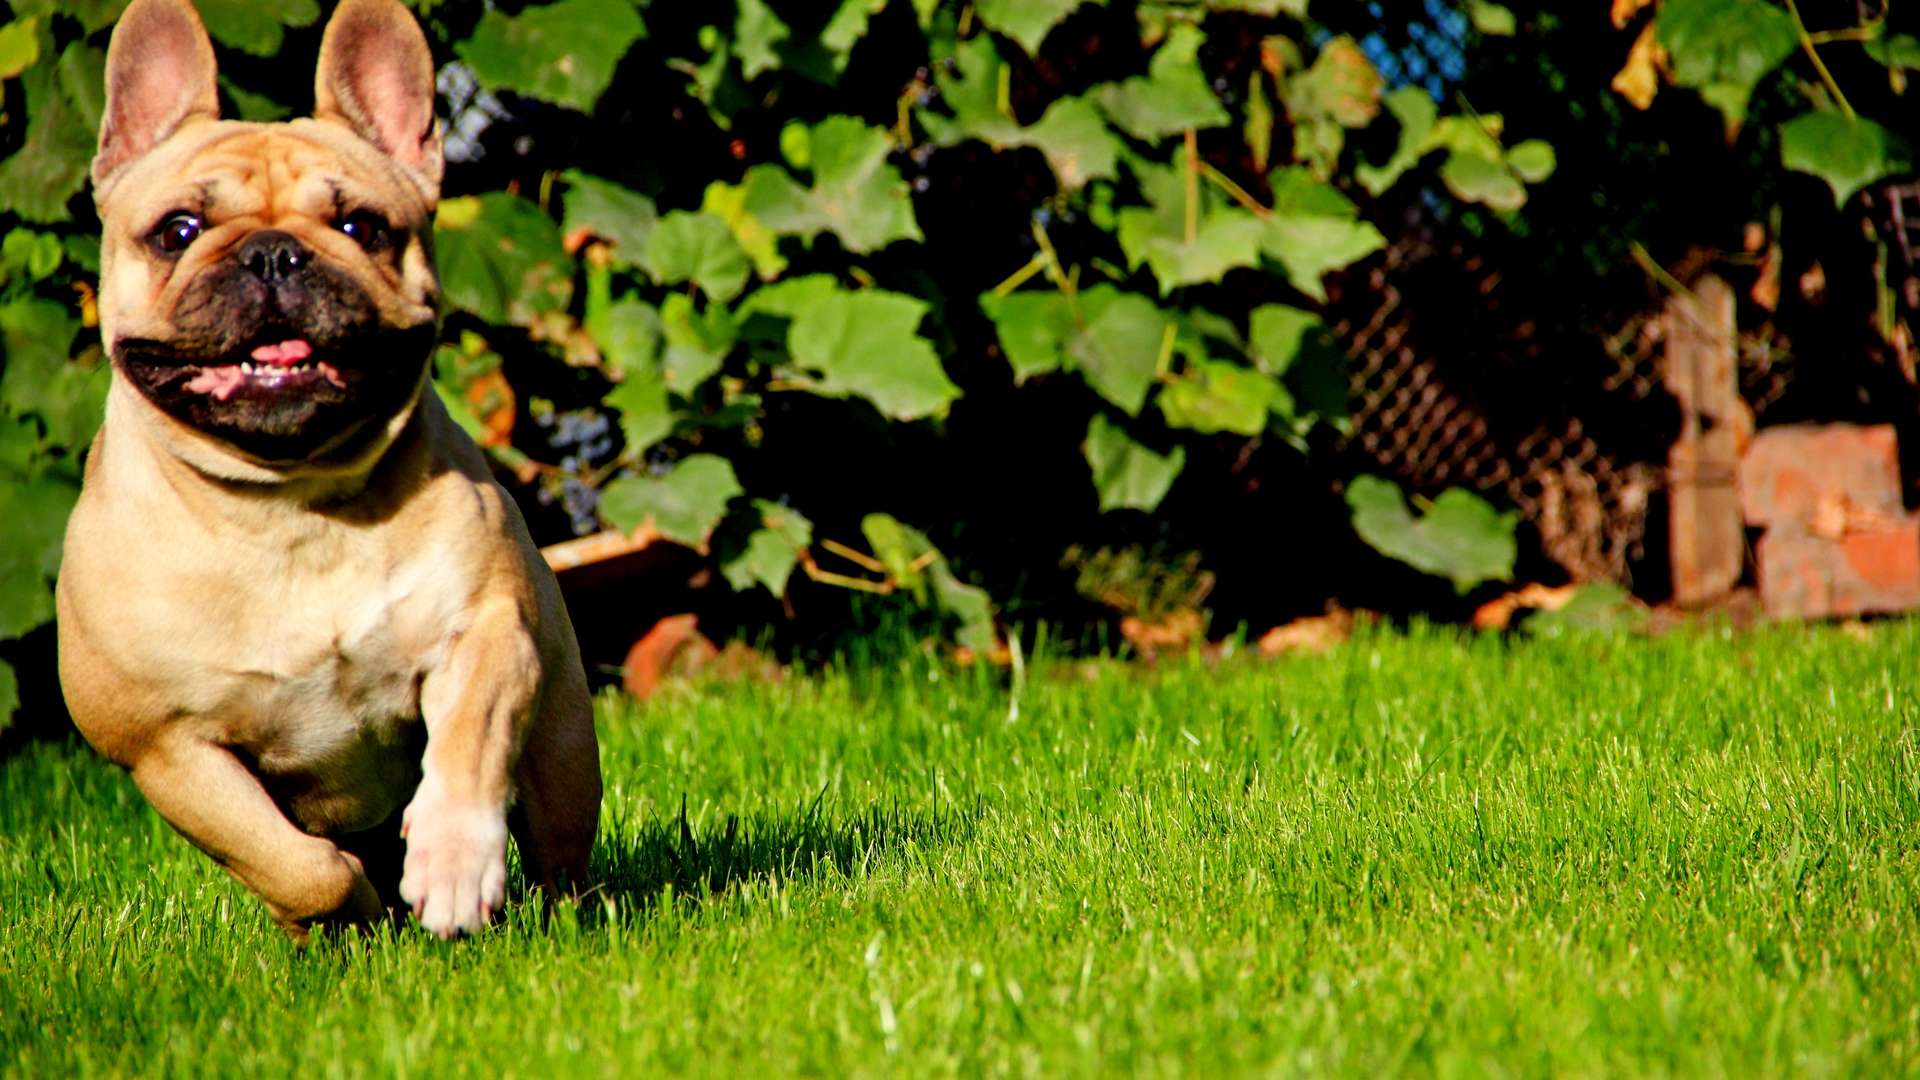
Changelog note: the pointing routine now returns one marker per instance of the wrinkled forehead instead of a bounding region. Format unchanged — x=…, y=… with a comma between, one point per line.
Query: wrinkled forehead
x=229, y=169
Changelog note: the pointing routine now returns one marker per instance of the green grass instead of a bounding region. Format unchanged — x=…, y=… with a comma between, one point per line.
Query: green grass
x=1697, y=854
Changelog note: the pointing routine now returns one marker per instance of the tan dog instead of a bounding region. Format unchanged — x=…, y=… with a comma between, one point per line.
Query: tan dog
x=294, y=603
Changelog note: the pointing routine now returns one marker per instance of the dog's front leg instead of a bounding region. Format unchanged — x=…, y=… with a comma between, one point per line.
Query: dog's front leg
x=217, y=803
x=476, y=707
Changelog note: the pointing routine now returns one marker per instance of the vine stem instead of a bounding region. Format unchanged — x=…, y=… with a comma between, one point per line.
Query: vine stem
x=1021, y=276
x=1234, y=191
x=1193, y=186
x=1808, y=46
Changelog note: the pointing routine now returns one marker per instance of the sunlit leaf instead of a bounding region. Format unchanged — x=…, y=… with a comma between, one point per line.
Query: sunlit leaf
x=771, y=551
x=1461, y=537
x=1033, y=327
x=699, y=248
x=682, y=506
x=1119, y=350
x=563, y=52
x=1214, y=396
x=1172, y=97
x=1126, y=474
x=1848, y=153
x=255, y=26
x=615, y=213
x=1723, y=48
x=501, y=258
x=865, y=344
x=1025, y=21
x=62, y=105
x=856, y=194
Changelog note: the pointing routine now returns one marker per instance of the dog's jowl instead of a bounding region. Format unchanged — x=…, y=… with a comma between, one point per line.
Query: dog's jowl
x=294, y=603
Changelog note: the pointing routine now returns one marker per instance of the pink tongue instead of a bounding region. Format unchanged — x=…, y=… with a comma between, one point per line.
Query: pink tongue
x=221, y=382
x=285, y=354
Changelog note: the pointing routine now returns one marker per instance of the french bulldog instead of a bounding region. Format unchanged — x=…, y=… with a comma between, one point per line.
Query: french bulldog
x=294, y=603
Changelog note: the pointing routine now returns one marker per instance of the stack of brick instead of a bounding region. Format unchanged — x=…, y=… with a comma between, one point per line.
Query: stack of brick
x=1838, y=538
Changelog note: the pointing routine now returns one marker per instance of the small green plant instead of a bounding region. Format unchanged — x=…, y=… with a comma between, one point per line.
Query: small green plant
x=1459, y=535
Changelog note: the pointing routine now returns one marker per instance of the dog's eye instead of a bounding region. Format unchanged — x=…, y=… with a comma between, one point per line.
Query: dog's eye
x=177, y=231
x=367, y=228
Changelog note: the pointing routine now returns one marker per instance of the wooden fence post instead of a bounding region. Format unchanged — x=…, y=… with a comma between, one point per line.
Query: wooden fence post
x=1707, y=540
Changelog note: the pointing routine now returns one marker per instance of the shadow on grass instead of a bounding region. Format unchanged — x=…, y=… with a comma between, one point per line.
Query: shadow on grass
x=640, y=865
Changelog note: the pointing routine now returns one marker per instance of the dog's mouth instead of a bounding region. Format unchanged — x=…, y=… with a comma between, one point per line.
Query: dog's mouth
x=280, y=393
x=273, y=367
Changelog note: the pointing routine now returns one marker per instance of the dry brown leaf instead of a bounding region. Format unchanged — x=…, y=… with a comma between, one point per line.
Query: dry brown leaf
x=1314, y=635
x=1639, y=80
x=1498, y=613
x=1625, y=10
x=1176, y=631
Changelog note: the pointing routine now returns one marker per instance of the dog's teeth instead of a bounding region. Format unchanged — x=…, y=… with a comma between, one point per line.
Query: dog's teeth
x=246, y=368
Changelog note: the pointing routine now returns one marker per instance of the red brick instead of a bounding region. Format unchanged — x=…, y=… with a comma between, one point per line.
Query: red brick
x=1868, y=570
x=1796, y=472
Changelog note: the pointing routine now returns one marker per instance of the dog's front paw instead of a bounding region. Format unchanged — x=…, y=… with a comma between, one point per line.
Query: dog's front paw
x=456, y=870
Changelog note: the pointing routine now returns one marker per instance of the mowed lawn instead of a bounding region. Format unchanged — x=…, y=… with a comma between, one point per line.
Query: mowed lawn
x=1696, y=854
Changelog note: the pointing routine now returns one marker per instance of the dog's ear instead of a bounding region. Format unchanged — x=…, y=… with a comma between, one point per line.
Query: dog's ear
x=160, y=74
x=376, y=77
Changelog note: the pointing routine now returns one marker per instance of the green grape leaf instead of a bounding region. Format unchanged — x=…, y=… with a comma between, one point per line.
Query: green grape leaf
x=629, y=336
x=39, y=380
x=771, y=551
x=856, y=195
x=1416, y=112
x=62, y=105
x=501, y=258
x=918, y=567
x=683, y=506
x=757, y=34
x=1314, y=230
x=1118, y=352
x=728, y=202
x=1070, y=134
x=1483, y=180
x=1214, y=396
x=1723, y=48
x=1025, y=21
x=1172, y=97
x=1491, y=19
x=1461, y=538
x=1033, y=328
x=255, y=26
x=93, y=14
x=822, y=56
x=1224, y=239
x=1847, y=153
x=19, y=46
x=35, y=505
x=1532, y=160
x=563, y=52
x=699, y=248
x=1276, y=333
x=622, y=217
x=1126, y=474
x=645, y=415
x=697, y=341
x=864, y=344
x=1342, y=86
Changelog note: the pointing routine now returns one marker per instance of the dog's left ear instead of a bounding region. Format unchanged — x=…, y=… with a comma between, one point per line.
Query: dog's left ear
x=376, y=77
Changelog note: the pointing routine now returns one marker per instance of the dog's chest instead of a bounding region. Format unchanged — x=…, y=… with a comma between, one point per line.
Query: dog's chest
x=325, y=696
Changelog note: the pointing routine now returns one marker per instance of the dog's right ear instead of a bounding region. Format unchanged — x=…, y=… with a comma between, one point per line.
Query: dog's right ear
x=160, y=74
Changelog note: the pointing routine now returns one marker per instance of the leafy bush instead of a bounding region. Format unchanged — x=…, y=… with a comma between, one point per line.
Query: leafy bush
x=686, y=247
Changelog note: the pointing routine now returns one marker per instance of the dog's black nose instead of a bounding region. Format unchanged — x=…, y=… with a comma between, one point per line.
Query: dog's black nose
x=273, y=256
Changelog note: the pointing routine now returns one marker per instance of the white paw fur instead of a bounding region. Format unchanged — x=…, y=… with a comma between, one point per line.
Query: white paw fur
x=455, y=875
